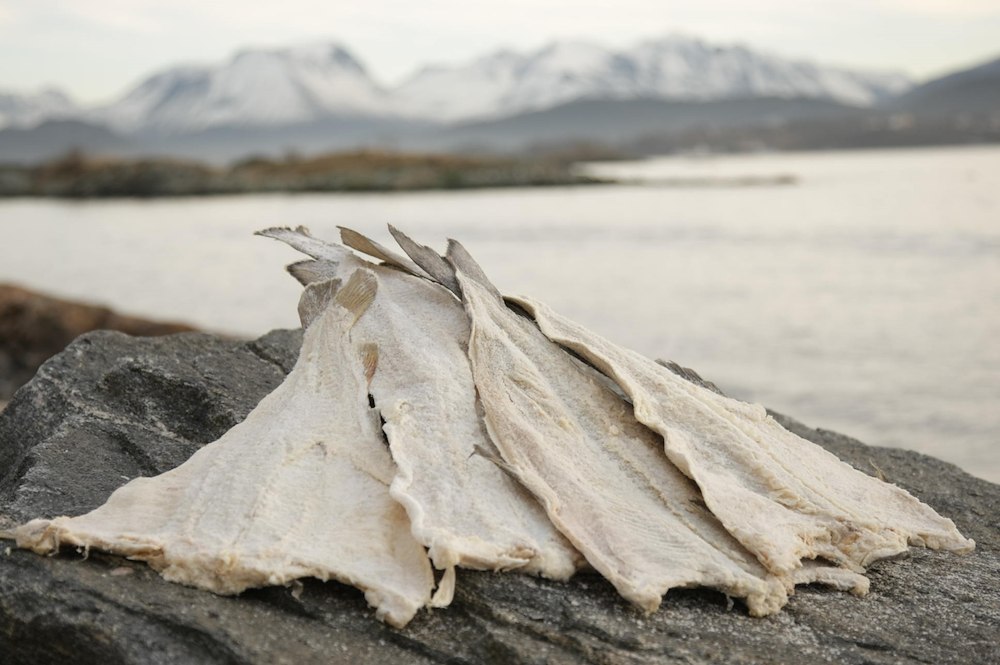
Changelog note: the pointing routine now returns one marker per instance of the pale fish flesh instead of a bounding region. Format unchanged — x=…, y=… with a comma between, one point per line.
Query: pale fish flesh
x=300, y=488
x=785, y=498
x=461, y=506
x=601, y=475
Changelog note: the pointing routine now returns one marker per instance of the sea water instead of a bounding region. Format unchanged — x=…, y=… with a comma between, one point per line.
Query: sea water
x=856, y=291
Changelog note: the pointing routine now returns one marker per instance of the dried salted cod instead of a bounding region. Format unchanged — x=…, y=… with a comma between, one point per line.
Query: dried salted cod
x=784, y=498
x=464, y=509
x=601, y=475
x=366, y=245
x=300, y=488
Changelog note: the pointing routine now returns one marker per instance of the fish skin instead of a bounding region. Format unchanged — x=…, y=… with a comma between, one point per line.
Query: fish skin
x=785, y=498
x=601, y=475
x=300, y=488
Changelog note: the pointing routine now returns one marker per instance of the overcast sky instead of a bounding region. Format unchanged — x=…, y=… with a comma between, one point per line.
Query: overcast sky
x=96, y=48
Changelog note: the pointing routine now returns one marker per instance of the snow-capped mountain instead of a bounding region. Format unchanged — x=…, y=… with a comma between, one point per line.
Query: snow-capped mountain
x=505, y=83
x=674, y=67
x=270, y=89
x=681, y=67
x=27, y=110
x=254, y=88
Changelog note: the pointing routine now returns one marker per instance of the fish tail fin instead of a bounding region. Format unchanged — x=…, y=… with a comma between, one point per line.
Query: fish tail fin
x=463, y=262
x=430, y=261
x=366, y=245
x=276, y=231
x=301, y=239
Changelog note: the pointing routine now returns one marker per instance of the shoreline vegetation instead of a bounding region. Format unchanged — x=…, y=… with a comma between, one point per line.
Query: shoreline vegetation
x=77, y=175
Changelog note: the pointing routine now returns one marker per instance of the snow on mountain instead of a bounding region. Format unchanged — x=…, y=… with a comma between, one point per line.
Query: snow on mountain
x=458, y=92
x=506, y=83
x=254, y=88
x=282, y=87
x=27, y=110
x=674, y=67
x=689, y=68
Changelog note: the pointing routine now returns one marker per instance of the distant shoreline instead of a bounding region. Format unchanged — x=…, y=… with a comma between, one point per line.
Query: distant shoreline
x=78, y=176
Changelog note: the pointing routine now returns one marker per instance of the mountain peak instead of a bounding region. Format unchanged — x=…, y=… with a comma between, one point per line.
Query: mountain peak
x=28, y=109
x=316, y=53
x=256, y=86
x=673, y=66
x=313, y=81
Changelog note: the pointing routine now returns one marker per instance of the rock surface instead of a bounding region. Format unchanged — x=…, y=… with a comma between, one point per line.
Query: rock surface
x=35, y=327
x=111, y=407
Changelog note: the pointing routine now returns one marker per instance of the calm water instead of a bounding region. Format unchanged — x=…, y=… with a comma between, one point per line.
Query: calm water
x=865, y=298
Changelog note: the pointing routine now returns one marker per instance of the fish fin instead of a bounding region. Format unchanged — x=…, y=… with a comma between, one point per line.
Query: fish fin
x=275, y=231
x=301, y=271
x=315, y=299
x=358, y=293
x=462, y=261
x=302, y=240
x=366, y=245
x=309, y=271
x=369, y=358
x=430, y=261
x=278, y=231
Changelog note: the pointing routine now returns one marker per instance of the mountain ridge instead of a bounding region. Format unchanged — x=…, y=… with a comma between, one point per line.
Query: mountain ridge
x=253, y=87
x=315, y=98
x=24, y=110
x=674, y=67
x=973, y=89
x=311, y=82
x=619, y=121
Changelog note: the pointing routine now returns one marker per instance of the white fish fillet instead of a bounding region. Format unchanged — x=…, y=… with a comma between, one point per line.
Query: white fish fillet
x=785, y=498
x=601, y=475
x=461, y=506
x=300, y=488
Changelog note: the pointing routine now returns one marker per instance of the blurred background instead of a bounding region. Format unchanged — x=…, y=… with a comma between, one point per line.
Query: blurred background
x=800, y=200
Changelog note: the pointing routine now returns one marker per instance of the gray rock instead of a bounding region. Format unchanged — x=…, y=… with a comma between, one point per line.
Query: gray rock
x=110, y=408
